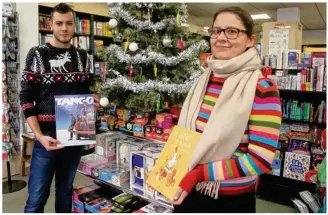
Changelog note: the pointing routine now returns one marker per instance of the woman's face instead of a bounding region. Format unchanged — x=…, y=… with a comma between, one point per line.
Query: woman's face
x=224, y=48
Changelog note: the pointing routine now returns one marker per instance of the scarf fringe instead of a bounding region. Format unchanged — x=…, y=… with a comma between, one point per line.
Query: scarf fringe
x=210, y=188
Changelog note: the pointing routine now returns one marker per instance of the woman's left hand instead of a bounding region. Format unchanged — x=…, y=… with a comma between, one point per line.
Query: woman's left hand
x=180, y=195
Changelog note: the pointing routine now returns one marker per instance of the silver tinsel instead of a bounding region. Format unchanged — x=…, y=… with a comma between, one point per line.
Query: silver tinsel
x=117, y=12
x=160, y=86
x=154, y=57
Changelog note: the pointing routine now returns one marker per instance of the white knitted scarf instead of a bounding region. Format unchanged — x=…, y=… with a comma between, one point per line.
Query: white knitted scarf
x=224, y=130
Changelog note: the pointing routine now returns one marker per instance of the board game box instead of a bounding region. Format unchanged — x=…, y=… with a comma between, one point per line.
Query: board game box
x=296, y=165
x=75, y=119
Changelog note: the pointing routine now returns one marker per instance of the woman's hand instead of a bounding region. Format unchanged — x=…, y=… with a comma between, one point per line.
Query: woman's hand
x=180, y=195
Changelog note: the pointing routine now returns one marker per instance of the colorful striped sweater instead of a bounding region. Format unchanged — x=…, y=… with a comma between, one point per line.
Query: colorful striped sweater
x=257, y=147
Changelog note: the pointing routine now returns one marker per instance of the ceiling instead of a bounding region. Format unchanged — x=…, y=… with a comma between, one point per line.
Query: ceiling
x=313, y=15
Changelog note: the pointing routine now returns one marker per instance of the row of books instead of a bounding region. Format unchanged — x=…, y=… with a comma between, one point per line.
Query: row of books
x=44, y=22
x=101, y=29
x=310, y=79
x=83, y=26
x=295, y=110
x=81, y=42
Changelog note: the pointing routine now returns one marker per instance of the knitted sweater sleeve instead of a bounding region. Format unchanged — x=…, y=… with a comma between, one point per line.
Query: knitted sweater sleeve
x=263, y=134
x=30, y=87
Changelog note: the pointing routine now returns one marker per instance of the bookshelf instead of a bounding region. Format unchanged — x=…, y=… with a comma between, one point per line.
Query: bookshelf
x=280, y=189
x=86, y=32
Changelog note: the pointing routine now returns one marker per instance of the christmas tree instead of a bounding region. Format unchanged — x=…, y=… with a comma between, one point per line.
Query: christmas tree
x=154, y=57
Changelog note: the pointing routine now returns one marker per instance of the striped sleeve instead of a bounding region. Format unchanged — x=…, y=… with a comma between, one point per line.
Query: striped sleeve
x=263, y=135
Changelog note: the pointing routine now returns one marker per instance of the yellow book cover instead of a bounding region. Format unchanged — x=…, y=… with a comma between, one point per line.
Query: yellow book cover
x=173, y=162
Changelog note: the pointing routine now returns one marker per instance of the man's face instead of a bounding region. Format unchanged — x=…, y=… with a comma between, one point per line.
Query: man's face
x=63, y=26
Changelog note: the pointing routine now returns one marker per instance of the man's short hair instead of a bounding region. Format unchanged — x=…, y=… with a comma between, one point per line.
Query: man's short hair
x=62, y=8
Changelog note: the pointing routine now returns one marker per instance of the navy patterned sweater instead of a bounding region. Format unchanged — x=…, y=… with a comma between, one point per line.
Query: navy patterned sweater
x=51, y=71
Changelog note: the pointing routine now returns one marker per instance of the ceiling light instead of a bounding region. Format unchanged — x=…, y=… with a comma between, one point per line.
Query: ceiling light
x=261, y=16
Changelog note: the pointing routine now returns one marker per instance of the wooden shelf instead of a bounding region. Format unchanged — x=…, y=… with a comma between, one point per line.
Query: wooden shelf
x=46, y=31
x=304, y=122
x=102, y=37
x=303, y=92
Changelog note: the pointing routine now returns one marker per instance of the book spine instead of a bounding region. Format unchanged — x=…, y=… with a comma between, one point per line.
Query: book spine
x=321, y=111
x=324, y=87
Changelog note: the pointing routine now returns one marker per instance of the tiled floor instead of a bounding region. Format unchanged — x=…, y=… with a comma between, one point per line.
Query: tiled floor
x=15, y=202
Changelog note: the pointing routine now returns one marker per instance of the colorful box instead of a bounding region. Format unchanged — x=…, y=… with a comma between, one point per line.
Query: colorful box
x=96, y=170
x=164, y=120
x=100, y=205
x=124, y=145
x=138, y=130
x=126, y=202
x=116, y=176
x=142, y=163
x=153, y=208
x=88, y=162
x=106, y=145
x=296, y=165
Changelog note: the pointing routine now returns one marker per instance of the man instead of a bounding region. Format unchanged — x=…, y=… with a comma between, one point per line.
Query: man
x=57, y=68
x=71, y=126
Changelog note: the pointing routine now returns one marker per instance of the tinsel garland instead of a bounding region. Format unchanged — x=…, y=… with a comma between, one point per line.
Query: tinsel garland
x=154, y=57
x=117, y=12
x=160, y=86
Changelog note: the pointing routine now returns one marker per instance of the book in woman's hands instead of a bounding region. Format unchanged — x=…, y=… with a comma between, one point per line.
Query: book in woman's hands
x=173, y=162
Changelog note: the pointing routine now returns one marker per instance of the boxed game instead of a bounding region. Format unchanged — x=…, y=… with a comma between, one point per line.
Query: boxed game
x=75, y=117
x=127, y=201
x=142, y=163
x=116, y=176
x=100, y=205
x=138, y=130
x=296, y=165
x=164, y=120
x=124, y=145
x=79, y=195
x=150, y=132
x=88, y=162
x=106, y=145
x=153, y=208
x=96, y=170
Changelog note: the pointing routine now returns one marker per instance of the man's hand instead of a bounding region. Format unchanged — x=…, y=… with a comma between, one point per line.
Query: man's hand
x=91, y=146
x=49, y=143
x=96, y=102
x=179, y=196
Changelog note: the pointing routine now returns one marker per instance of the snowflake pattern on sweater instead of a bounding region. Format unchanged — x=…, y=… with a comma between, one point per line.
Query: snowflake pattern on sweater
x=51, y=71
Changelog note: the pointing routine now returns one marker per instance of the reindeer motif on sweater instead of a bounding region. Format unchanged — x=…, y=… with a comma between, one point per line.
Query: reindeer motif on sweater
x=60, y=62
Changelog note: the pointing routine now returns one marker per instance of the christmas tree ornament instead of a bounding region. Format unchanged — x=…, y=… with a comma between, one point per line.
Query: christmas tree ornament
x=180, y=44
x=104, y=101
x=131, y=71
x=167, y=41
x=178, y=18
x=112, y=23
x=133, y=47
x=155, y=70
x=126, y=45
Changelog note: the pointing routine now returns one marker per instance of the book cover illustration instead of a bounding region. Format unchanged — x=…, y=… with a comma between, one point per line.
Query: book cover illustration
x=296, y=165
x=173, y=161
x=75, y=119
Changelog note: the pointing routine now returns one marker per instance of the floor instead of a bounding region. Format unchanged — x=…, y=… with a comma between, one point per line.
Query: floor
x=15, y=202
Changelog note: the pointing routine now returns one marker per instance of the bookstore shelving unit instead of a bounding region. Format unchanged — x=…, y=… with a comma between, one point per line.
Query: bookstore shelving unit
x=91, y=33
x=280, y=189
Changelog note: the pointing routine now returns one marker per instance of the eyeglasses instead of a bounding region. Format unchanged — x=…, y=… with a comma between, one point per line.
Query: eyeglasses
x=230, y=33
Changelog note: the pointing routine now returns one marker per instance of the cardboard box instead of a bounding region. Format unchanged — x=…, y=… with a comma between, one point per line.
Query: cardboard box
x=88, y=162
x=96, y=170
x=153, y=208
x=142, y=163
x=116, y=176
x=124, y=145
x=100, y=205
x=106, y=145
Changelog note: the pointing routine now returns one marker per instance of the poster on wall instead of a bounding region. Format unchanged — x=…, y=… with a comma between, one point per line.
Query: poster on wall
x=278, y=45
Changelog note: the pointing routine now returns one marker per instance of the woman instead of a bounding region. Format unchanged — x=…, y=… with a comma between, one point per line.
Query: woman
x=238, y=113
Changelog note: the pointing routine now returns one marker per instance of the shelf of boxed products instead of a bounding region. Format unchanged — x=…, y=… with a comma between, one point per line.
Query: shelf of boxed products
x=126, y=189
x=319, y=124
